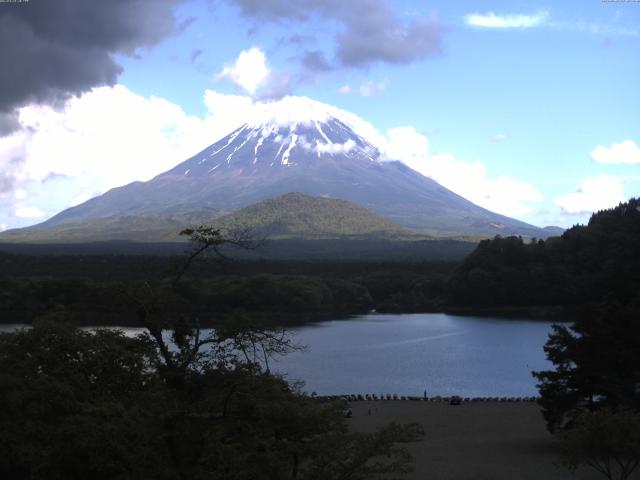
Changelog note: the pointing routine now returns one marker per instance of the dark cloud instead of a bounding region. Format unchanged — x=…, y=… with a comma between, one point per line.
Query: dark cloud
x=371, y=31
x=276, y=10
x=315, y=61
x=279, y=85
x=195, y=54
x=9, y=165
x=376, y=39
x=8, y=123
x=6, y=182
x=52, y=176
x=186, y=23
x=50, y=50
x=300, y=40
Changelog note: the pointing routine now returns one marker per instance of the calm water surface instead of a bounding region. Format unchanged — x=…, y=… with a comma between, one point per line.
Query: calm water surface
x=408, y=353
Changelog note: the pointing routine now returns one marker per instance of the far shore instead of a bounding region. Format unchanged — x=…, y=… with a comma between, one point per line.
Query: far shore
x=474, y=440
x=300, y=319
x=558, y=313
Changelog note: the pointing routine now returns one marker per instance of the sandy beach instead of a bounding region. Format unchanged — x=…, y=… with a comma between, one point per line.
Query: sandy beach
x=473, y=441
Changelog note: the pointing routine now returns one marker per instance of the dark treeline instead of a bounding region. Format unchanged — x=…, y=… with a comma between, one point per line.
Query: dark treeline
x=591, y=399
x=174, y=402
x=584, y=267
x=100, y=289
x=343, y=249
x=591, y=274
x=128, y=267
x=564, y=277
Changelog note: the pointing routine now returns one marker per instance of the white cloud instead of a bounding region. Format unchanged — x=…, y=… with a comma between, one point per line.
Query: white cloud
x=593, y=194
x=625, y=152
x=231, y=109
x=20, y=194
x=406, y=144
x=103, y=139
x=112, y=136
x=501, y=194
x=3, y=227
x=107, y=138
x=29, y=212
x=250, y=70
x=492, y=20
x=611, y=28
x=82, y=197
x=368, y=88
x=334, y=148
x=541, y=19
x=499, y=137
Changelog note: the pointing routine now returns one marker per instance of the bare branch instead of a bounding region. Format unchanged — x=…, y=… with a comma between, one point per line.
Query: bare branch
x=206, y=238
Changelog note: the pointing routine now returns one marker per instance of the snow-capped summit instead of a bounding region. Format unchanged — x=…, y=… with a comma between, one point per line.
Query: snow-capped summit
x=297, y=111
x=300, y=127
x=299, y=145
x=276, y=144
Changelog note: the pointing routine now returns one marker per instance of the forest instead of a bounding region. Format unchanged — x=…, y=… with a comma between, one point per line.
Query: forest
x=587, y=265
x=563, y=277
x=98, y=289
x=170, y=403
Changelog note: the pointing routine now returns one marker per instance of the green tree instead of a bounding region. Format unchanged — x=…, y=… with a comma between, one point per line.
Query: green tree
x=607, y=441
x=75, y=404
x=597, y=364
x=172, y=403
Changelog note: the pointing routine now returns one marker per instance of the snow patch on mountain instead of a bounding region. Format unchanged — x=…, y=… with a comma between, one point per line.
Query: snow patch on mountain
x=257, y=147
x=289, y=133
x=329, y=142
x=285, y=156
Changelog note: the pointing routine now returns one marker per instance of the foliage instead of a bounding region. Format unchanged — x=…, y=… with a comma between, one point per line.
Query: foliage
x=596, y=365
x=172, y=403
x=97, y=290
x=295, y=215
x=607, y=441
x=360, y=456
x=78, y=404
x=585, y=266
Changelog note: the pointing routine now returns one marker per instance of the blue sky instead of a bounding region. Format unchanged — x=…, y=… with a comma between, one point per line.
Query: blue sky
x=530, y=109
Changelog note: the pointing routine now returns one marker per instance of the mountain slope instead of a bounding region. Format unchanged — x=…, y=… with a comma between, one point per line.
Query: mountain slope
x=163, y=227
x=304, y=148
x=295, y=215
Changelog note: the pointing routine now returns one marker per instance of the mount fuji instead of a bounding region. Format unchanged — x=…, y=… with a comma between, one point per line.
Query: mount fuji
x=299, y=146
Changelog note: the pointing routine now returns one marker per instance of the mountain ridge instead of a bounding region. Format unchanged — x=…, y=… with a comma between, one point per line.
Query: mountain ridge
x=321, y=156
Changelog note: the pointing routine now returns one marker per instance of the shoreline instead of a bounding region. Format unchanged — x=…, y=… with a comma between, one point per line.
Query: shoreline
x=351, y=397
x=292, y=319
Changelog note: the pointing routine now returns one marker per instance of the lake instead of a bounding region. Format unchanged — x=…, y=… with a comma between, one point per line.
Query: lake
x=408, y=353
